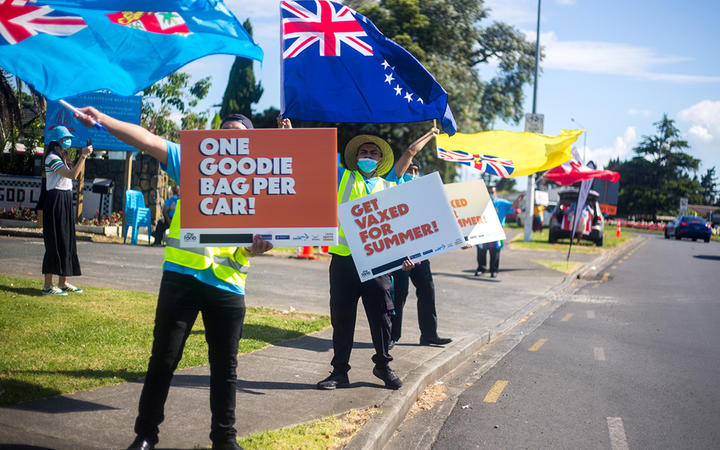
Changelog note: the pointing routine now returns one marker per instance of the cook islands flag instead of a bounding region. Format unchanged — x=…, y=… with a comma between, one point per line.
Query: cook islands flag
x=337, y=67
x=68, y=47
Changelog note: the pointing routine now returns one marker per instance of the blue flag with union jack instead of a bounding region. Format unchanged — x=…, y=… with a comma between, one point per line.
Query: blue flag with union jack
x=338, y=67
x=68, y=47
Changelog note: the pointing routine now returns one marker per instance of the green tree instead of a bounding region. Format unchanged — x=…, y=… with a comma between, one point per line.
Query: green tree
x=653, y=182
x=708, y=185
x=169, y=97
x=242, y=91
x=22, y=121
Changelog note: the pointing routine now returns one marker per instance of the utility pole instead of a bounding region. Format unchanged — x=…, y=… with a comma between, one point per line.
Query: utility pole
x=530, y=194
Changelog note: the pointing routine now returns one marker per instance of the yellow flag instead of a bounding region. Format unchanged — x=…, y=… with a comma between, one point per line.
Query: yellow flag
x=508, y=153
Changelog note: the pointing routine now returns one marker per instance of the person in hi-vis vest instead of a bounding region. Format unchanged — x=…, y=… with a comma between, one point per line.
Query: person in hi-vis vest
x=367, y=159
x=207, y=280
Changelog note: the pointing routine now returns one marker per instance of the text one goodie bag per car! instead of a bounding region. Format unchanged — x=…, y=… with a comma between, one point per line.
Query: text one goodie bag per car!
x=413, y=220
x=278, y=183
x=475, y=212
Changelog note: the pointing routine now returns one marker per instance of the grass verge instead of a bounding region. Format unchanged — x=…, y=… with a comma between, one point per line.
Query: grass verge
x=53, y=345
x=540, y=242
x=326, y=433
x=560, y=266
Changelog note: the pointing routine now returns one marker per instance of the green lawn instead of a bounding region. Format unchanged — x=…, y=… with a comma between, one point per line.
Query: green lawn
x=55, y=345
x=540, y=241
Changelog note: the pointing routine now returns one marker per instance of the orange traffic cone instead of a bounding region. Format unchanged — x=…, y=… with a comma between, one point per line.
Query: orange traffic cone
x=306, y=252
x=325, y=250
x=617, y=231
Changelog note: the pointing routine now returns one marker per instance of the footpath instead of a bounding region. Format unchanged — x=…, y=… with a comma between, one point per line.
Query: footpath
x=276, y=386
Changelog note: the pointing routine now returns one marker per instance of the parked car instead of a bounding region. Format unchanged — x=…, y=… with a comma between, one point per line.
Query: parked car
x=562, y=218
x=689, y=227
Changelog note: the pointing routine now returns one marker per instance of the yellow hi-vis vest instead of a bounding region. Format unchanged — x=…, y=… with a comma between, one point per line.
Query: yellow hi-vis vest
x=229, y=264
x=352, y=186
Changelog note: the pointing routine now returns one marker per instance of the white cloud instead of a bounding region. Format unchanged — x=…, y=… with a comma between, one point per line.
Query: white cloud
x=565, y=2
x=703, y=134
x=621, y=148
x=699, y=133
x=705, y=113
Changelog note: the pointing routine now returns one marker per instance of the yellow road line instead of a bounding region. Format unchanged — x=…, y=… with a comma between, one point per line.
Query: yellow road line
x=545, y=303
x=536, y=346
x=605, y=276
x=613, y=268
x=494, y=393
x=566, y=317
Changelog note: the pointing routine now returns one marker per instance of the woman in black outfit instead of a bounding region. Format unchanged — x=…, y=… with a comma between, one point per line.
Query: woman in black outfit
x=58, y=219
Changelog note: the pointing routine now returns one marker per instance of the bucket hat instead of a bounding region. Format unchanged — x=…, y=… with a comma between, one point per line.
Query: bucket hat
x=351, y=151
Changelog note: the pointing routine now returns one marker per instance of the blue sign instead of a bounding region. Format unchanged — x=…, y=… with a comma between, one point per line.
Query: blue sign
x=126, y=109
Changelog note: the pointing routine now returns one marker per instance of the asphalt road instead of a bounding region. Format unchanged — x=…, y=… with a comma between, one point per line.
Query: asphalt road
x=630, y=360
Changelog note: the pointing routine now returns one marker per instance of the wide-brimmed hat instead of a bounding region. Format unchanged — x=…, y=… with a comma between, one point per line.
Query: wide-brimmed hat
x=351, y=150
x=59, y=133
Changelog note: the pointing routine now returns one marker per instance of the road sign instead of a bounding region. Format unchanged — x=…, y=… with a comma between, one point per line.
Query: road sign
x=534, y=123
x=683, y=205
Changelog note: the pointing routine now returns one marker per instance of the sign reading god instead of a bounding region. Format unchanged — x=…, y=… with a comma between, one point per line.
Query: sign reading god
x=474, y=212
x=278, y=183
x=410, y=221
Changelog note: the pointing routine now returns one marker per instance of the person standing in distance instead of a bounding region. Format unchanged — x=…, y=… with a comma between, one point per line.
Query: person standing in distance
x=207, y=280
x=502, y=207
x=58, y=213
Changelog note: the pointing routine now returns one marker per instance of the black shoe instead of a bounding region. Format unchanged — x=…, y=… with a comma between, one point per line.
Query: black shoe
x=386, y=374
x=335, y=380
x=141, y=443
x=229, y=445
x=493, y=274
x=479, y=271
x=391, y=344
x=434, y=341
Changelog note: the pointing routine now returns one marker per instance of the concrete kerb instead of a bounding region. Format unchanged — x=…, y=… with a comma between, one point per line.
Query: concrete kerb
x=380, y=428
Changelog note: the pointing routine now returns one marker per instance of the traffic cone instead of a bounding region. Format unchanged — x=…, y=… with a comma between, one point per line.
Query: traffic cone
x=325, y=250
x=617, y=231
x=306, y=252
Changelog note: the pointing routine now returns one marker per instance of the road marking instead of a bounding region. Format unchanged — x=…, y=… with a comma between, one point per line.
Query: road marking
x=613, y=267
x=620, y=261
x=545, y=303
x=605, y=276
x=618, y=441
x=566, y=317
x=494, y=393
x=536, y=346
x=599, y=354
x=591, y=314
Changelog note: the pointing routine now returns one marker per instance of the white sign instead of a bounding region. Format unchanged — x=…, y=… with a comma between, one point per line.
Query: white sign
x=542, y=198
x=683, y=205
x=413, y=220
x=534, y=123
x=474, y=212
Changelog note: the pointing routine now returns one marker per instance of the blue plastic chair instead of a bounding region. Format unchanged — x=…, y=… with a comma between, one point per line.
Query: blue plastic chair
x=136, y=215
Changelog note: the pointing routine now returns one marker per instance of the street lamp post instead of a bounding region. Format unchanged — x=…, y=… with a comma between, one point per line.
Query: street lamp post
x=584, y=139
x=529, y=201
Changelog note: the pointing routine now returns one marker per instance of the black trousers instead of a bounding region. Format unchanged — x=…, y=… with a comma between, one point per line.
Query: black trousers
x=482, y=259
x=421, y=277
x=345, y=290
x=180, y=300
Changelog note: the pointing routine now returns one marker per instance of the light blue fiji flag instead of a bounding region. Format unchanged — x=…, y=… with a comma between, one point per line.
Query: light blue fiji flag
x=337, y=67
x=68, y=47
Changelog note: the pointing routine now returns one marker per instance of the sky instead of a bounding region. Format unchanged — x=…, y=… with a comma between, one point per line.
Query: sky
x=612, y=67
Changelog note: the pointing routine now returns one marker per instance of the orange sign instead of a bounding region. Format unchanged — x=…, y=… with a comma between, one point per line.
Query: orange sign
x=279, y=183
x=611, y=210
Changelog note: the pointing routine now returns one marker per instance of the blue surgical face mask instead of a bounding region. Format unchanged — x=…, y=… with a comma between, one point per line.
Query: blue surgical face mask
x=66, y=143
x=367, y=165
x=409, y=177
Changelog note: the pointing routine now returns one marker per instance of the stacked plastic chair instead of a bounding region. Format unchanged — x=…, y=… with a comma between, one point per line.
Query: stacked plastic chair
x=136, y=215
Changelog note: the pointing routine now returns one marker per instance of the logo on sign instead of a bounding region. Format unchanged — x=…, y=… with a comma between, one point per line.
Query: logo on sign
x=190, y=237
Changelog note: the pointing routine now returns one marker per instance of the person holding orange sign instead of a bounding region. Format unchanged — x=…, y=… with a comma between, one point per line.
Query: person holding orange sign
x=207, y=280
